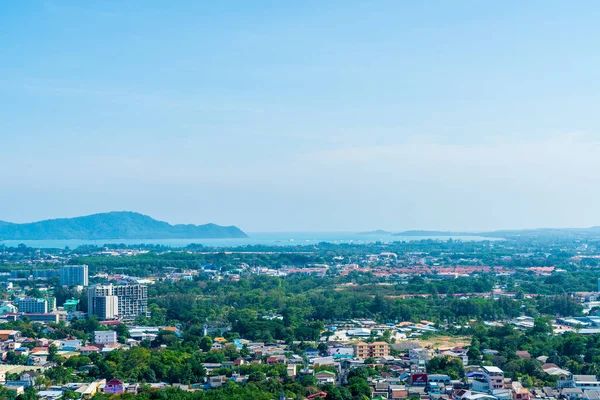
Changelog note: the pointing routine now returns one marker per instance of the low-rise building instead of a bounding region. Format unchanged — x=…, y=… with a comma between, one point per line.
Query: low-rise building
x=325, y=377
x=105, y=337
x=114, y=386
x=371, y=350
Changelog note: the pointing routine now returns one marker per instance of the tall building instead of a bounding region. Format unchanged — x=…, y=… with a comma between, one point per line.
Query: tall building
x=112, y=302
x=102, y=302
x=33, y=305
x=74, y=275
x=133, y=301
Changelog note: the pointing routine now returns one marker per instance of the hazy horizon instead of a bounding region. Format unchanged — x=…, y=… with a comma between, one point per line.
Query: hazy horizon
x=327, y=230
x=340, y=116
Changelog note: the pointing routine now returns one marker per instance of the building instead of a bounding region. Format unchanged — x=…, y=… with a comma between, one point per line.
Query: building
x=371, y=350
x=51, y=303
x=114, y=386
x=44, y=273
x=105, y=337
x=42, y=317
x=112, y=302
x=325, y=377
x=583, y=382
x=71, y=305
x=9, y=335
x=492, y=379
x=33, y=305
x=7, y=308
x=102, y=302
x=133, y=301
x=74, y=275
x=420, y=356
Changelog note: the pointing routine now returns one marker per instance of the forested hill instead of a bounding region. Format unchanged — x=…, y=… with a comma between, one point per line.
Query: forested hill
x=113, y=225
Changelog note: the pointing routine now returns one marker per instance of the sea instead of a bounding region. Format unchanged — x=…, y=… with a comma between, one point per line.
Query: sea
x=255, y=238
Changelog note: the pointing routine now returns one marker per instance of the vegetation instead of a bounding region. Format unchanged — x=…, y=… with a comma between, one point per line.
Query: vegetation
x=113, y=225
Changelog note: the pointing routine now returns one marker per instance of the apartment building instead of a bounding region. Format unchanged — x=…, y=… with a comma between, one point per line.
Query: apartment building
x=111, y=302
x=33, y=305
x=74, y=275
x=370, y=350
x=102, y=302
x=133, y=301
x=105, y=337
x=492, y=378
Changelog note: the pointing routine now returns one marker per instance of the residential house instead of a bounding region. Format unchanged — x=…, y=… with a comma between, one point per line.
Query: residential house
x=591, y=395
x=291, y=370
x=29, y=377
x=114, y=386
x=87, y=350
x=311, y=352
x=322, y=361
x=396, y=392
x=572, y=393
x=420, y=356
x=324, y=377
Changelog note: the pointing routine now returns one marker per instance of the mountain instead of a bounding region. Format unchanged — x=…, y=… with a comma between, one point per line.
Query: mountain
x=540, y=233
x=377, y=232
x=430, y=233
x=113, y=225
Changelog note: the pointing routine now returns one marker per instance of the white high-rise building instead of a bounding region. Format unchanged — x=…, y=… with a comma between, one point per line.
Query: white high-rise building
x=102, y=302
x=112, y=302
x=74, y=275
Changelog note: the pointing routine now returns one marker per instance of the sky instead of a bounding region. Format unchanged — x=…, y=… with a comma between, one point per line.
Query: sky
x=304, y=115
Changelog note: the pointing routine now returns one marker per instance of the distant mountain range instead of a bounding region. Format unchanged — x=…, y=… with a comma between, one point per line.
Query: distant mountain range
x=377, y=232
x=113, y=225
x=545, y=233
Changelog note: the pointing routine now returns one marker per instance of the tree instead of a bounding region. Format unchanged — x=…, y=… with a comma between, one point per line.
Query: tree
x=52, y=352
x=323, y=348
x=206, y=343
x=29, y=394
x=256, y=376
x=41, y=381
x=70, y=395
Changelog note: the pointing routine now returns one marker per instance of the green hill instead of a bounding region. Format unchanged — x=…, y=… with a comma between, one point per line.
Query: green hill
x=113, y=225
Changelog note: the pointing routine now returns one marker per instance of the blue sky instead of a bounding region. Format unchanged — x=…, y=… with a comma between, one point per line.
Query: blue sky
x=303, y=115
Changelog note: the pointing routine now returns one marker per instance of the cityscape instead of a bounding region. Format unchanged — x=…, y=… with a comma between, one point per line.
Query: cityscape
x=428, y=319
x=299, y=200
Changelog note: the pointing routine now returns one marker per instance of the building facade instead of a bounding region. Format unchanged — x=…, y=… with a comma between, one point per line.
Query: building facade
x=111, y=302
x=494, y=376
x=370, y=350
x=74, y=275
x=133, y=301
x=51, y=303
x=105, y=337
x=71, y=305
x=33, y=305
x=102, y=302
